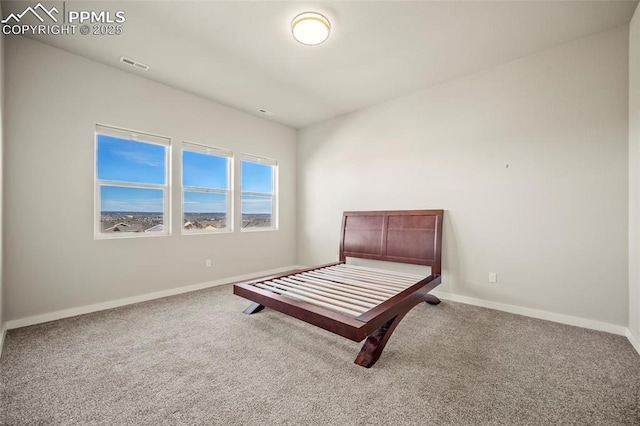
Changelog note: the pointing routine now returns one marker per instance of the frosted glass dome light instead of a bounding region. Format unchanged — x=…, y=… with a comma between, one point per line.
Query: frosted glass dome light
x=310, y=28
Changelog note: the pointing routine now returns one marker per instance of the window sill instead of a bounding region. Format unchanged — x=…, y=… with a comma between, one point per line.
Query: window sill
x=258, y=229
x=129, y=235
x=228, y=231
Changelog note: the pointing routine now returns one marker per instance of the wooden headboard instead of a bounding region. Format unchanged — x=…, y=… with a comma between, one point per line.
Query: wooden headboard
x=405, y=236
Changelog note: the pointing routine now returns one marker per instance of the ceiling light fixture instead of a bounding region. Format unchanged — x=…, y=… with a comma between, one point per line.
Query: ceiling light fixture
x=310, y=28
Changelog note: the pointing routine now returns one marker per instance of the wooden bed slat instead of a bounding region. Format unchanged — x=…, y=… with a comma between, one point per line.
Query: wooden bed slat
x=306, y=297
x=348, y=273
x=397, y=286
x=348, y=302
x=369, y=287
x=347, y=289
x=370, y=277
x=332, y=292
x=327, y=296
x=337, y=277
x=382, y=272
x=347, y=277
x=393, y=278
x=361, y=289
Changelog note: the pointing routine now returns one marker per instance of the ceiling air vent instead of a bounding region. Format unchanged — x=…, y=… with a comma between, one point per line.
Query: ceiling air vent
x=134, y=63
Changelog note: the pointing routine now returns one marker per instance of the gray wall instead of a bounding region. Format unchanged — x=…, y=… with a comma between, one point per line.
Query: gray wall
x=553, y=225
x=52, y=262
x=2, y=310
x=634, y=175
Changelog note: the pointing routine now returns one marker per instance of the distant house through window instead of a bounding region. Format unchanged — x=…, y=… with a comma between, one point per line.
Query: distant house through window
x=131, y=183
x=206, y=189
x=258, y=193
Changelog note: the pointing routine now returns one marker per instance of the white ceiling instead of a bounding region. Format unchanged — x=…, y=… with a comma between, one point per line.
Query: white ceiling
x=241, y=53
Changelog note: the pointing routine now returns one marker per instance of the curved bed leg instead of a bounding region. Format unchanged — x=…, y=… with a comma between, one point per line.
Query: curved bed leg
x=375, y=343
x=431, y=299
x=253, y=308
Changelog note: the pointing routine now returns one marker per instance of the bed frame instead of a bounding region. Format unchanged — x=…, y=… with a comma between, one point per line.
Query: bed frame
x=353, y=301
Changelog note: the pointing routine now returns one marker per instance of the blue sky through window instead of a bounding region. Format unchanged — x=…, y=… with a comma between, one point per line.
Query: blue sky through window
x=127, y=199
x=256, y=177
x=132, y=161
x=205, y=202
x=204, y=170
x=256, y=204
x=208, y=171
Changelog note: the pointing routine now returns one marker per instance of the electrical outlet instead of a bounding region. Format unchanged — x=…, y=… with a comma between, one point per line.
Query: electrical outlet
x=207, y=263
x=493, y=277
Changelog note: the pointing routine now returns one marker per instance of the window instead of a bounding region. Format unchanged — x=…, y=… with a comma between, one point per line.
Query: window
x=206, y=194
x=258, y=198
x=131, y=183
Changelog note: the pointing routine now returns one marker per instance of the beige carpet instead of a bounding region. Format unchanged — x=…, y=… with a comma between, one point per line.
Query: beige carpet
x=195, y=359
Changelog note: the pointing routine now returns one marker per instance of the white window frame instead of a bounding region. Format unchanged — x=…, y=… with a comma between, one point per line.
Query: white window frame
x=274, y=195
x=143, y=137
x=219, y=152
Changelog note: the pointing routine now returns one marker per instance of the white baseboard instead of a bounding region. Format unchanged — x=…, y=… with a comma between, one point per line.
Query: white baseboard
x=66, y=313
x=534, y=313
x=635, y=341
